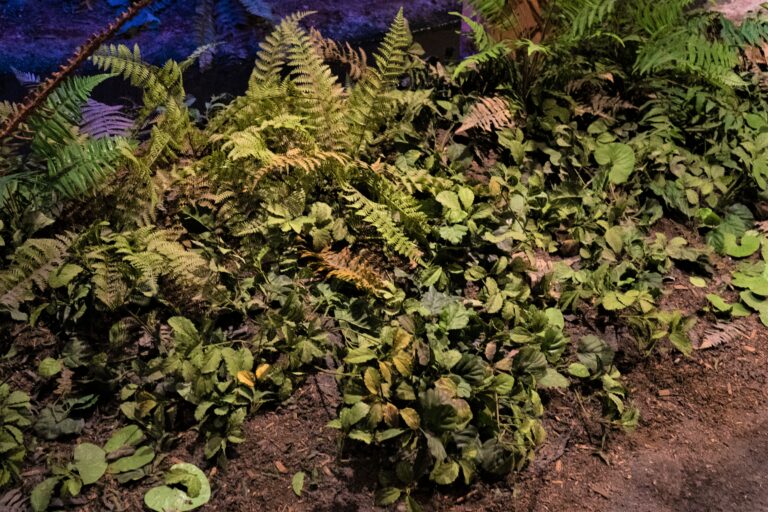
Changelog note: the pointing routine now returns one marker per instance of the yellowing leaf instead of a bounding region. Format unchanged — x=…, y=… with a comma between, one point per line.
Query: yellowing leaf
x=262, y=370
x=411, y=418
x=372, y=380
x=245, y=377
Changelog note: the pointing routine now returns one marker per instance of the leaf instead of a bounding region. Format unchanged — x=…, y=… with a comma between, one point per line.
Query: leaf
x=359, y=355
x=387, y=496
x=64, y=275
x=49, y=367
x=467, y=197
x=297, y=483
x=578, y=370
x=718, y=303
x=750, y=244
x=352, y=415
x=453, y=234
x=445, y=473
x=126, y=436
x=42, y=494
x=553, y=379
x=449, y=199
x=698, y=282
x=262, y=370
x=245, y=377
x=613, y=237
x=170, y=499
x=454, y=317
x=620, y=157
x=411, y=417
x=90, y=461
x=139, y=459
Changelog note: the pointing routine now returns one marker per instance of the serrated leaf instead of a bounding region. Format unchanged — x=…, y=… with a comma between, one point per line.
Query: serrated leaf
x=49, y=367
x=245, y=377
x=553, y=379
x=387, y=496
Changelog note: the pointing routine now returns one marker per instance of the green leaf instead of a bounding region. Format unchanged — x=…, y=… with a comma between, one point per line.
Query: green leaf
x=64, y=275
x=359, y=355
x=750, y=244
x=613, y=237
x=42, y=494
x=126, y=436
x=453, y=234
x=352, y=415
x=387, y=496
x=620, y=157
x=170, y=499
x=467, y=197
x=139, y=459
x=445, y=473
x=49, y=367
x=449, y=199
x=553, y=379
x=90, y=461
x=578, y=370
x=718, y=303
x=698, y=282
x=454, y=317
x=297, y=483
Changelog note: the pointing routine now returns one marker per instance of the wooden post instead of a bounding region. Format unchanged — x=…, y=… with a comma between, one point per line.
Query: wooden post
x=528, y=16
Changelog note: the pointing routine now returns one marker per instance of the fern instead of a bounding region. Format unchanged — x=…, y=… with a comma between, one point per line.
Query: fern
x=584, y=15
x=320, y=95
x=31, y=264
x=355, y=59
x=102, y=120
x=354, y=269
x=77, y=169
x=487, y=114
x=380, y=217
x=391, y=61
x=497, y=13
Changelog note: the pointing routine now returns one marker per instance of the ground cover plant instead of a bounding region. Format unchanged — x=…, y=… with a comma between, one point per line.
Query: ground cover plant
x=427, y=233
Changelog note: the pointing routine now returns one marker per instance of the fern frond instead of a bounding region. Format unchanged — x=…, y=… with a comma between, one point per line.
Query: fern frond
x=320, y=95
x=258, y=8
x=354, y=269
x=380, y=217
x=273, y=52
x=657, y=17
x=101, y=120
x=582, y=16
x=26, y=78
x=752, y=31
x=77, y=169
x=494, y=53
x=721, y=333
x=120, y=60
x=391, y=63
x=54, y=123
x=497, y=13
x=355, y=59
x=487, y=114
x=31, y=264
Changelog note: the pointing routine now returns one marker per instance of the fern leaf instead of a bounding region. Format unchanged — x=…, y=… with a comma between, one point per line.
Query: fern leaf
x=354, y=269
x=31, y=264
x=487, y=114
x=497, y=13
x=101, y=120
x=77, y=169
x=258, y=8
x=380, y=217
x=721, y=333
x=391, y=63
x=26, y=78
x=355, y=59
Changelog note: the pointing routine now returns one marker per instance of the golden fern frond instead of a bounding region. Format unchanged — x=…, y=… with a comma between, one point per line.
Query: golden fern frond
x=355, y=59
x=357, y=270
x=273, y=52
x=31, y=265
x=487, y=114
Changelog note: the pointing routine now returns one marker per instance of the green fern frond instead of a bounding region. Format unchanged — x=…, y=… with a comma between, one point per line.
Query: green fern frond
x=656, y=17
x=320, y=96
x=582, y=16
x=752, y=31
x=55, y=122
x=78, y=169
x=497, y=13
x=273, y=54
x=380, y=217
x=31, y=264
x=391, y=63
x=406, y=208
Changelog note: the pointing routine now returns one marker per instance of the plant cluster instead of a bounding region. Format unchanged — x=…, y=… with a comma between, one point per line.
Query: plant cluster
x=430, y=235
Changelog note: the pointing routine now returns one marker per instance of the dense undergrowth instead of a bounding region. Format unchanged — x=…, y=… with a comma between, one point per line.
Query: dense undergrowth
x=422, y=231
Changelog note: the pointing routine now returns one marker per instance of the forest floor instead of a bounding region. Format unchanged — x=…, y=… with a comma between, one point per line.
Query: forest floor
x=701, y=444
